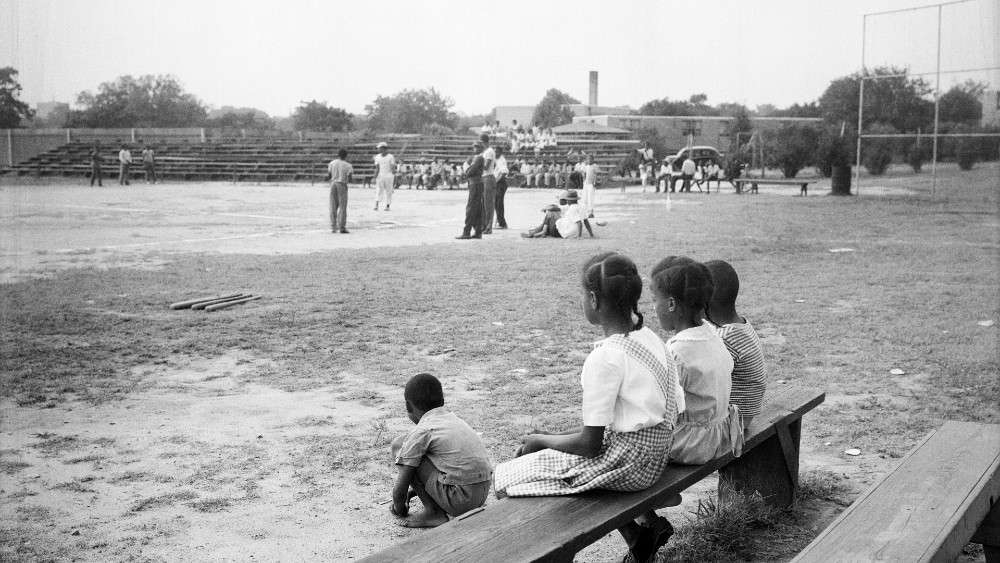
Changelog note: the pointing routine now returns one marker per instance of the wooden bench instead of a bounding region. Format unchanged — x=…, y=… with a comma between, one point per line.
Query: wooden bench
x=555, y=528
x=943, y=494
x=754, y=182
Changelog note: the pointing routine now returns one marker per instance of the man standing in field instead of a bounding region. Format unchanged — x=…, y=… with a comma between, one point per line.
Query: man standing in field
x=124, y=163
x=385, y=175
x=340, y=175
x=474, y=205
x=95, y=164
x=489, y=184
x=687, y=174
x=149, y=164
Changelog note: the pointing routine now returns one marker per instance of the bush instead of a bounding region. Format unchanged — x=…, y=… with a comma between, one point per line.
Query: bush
x=966, y=153
x=793, y=148
x=831, y=150
x=916, y=156
x=877, y=153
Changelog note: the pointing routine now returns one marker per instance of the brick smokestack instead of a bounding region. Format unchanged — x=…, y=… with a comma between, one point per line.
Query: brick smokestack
x=593, y=88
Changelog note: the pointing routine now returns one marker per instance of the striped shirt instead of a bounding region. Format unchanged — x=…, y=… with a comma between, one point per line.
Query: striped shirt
x=749, y=371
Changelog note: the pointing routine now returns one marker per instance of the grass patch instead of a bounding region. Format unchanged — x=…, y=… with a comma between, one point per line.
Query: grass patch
x=743, y=528
x=211, y=505
x=168, y=499
x=12, y=466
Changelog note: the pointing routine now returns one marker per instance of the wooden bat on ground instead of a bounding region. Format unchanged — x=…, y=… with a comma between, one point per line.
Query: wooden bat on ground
x=226, y=304
x=190, y=302
x=205, y=304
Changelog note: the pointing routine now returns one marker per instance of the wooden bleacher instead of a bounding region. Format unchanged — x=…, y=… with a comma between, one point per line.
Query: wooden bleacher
x=272, y=160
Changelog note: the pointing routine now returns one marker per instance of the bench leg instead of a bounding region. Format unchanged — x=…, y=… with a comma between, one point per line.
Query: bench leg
x=988, y=533
x=772, y=468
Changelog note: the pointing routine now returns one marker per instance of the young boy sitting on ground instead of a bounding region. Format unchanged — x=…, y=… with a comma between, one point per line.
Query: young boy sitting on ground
x=548, y=226
x=740, y=338
x=442, y=460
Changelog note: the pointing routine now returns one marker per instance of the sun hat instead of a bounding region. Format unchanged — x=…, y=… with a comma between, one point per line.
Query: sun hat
x=551, y=207
x=569, y=195
x=383, y=144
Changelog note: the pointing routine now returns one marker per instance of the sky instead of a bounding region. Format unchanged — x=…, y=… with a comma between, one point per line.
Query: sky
x=272, y=55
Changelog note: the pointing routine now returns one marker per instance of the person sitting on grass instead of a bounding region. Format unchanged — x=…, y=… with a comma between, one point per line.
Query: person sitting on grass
x=548, y=226
x=749, y=371
x=629, y=408
x=442, y=460
x=572, y=222
x=709, y=426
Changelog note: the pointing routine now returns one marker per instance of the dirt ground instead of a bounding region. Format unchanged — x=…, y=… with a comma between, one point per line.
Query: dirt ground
x=212, y=449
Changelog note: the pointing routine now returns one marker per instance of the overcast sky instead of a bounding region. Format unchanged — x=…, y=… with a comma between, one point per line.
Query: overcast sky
x=272, y=54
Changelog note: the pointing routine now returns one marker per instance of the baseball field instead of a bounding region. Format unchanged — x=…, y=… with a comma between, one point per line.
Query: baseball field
x=132, y=431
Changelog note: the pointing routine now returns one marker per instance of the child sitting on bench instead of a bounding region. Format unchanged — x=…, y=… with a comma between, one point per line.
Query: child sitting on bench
x=749, y=372
x=442, y=460
x=629, y=406
x=709, y=426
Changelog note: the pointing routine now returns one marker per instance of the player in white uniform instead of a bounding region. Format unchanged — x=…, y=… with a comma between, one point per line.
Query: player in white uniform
x=385, y=175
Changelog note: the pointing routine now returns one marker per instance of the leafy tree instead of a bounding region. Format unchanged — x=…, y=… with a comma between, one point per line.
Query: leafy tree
x=832, y=150
x=810, y=109
x=897, y=100
x=318, y=116
x=961, y=104
x=147, y=101
x=792, y=148
x=695, y=105
x=551, y=111
x=240, y=118
x=411, y=111
x=12, y=110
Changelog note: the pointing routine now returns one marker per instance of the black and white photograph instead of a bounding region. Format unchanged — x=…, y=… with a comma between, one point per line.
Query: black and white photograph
x=586, y=281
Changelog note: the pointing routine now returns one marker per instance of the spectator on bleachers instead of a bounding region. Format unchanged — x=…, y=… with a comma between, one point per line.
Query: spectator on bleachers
x=437, y=173
x=124, y=163
x=95, y=165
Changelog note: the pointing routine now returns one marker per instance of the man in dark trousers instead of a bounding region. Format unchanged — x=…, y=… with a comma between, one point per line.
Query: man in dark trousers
x=95, y=164
x=489, y=184
x=474, y=206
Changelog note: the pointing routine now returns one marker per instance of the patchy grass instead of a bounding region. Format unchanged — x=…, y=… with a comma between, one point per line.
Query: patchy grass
x=922, y=274
x=158, y=501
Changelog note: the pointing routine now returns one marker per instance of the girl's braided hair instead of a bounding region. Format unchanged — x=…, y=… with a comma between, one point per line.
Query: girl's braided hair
x=689, y=283
x=615, y=281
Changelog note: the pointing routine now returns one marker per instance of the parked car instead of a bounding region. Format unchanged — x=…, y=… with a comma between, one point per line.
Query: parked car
x=701, y=155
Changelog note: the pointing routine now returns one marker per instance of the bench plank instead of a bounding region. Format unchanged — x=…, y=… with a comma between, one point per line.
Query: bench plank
x=555, y=528
x=927, y=508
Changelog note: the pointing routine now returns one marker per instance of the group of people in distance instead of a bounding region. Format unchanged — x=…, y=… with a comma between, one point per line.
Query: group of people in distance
x=486, y=172
x=148, y=156
x=520, y=137
x=645, y=403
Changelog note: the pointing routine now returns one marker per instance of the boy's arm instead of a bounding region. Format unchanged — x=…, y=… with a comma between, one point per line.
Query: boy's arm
x=400, y=491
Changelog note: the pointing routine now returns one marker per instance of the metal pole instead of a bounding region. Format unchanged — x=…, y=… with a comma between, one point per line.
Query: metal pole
x=937, y=108
x=861, y=106
x=10, y=148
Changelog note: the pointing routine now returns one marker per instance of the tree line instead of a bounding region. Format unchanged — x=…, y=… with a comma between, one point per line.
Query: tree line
x=894, y=101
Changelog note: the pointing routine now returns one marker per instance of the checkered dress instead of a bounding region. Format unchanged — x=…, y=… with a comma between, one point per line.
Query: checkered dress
x=629, y=461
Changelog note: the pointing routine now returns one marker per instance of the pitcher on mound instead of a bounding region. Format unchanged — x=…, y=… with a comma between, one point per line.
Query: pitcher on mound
x=385, y=175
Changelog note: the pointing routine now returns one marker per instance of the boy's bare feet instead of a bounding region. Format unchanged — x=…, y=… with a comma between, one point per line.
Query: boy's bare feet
x=425, y=519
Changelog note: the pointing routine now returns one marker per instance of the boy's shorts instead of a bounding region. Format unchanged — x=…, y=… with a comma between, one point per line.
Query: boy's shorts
x=453, y=499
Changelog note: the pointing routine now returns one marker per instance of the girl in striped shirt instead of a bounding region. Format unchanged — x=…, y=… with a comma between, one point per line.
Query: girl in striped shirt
x=740, y=338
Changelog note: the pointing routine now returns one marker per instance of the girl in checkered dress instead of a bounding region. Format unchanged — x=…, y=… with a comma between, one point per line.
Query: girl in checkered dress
x=630, y=391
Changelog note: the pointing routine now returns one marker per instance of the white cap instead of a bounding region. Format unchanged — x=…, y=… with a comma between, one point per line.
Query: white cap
x=383, y=144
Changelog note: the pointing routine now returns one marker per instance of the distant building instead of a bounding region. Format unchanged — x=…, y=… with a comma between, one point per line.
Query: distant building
x=584, y=110
x=991, y=108
x=707, y=130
